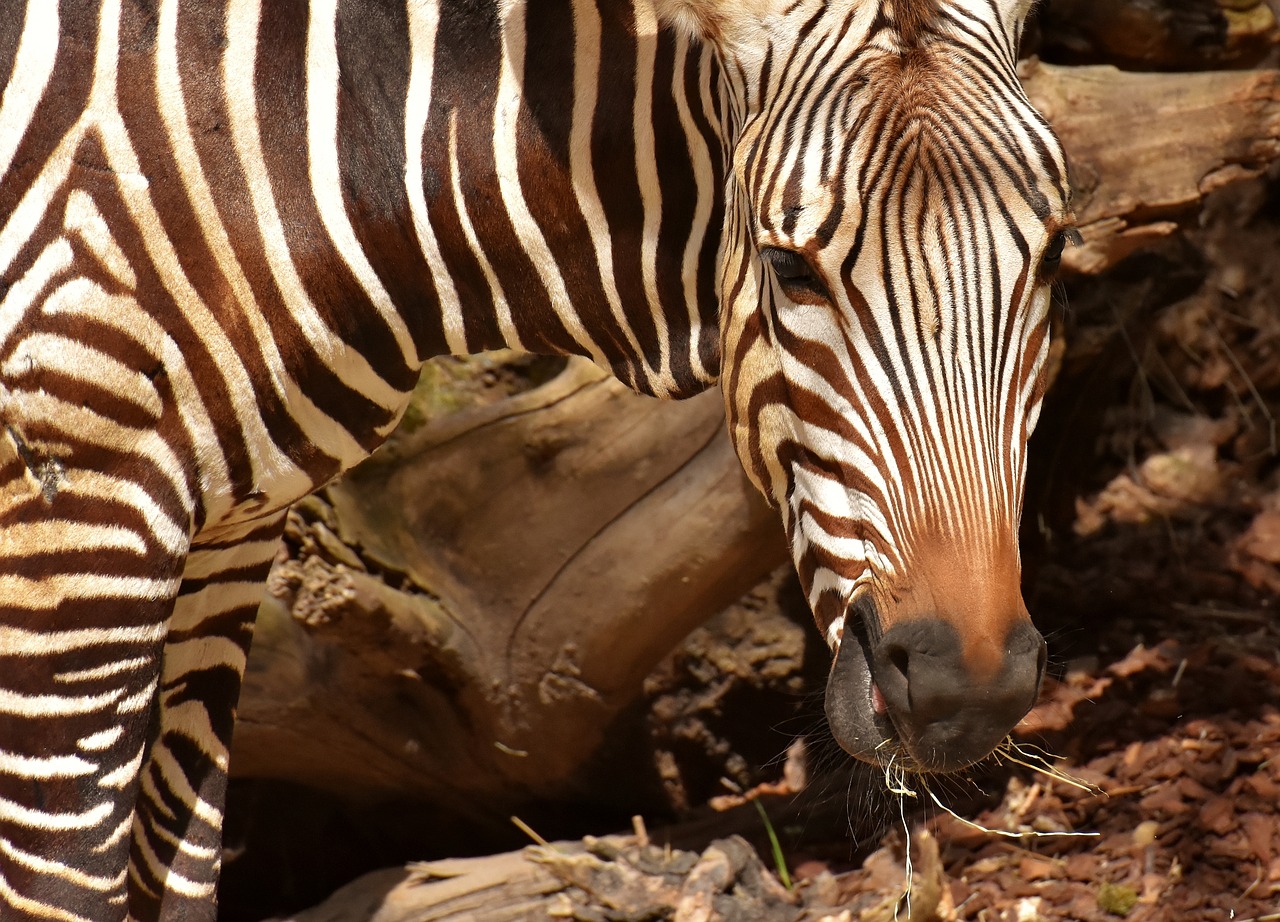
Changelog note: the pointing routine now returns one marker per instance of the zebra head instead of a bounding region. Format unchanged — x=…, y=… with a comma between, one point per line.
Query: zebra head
x=894, y=210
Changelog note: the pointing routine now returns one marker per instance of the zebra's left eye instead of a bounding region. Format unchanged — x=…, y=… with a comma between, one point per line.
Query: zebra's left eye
x=795, y=275
x=1052, y=257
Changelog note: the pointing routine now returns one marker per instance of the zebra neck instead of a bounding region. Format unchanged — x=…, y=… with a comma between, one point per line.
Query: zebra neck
x=564, y=179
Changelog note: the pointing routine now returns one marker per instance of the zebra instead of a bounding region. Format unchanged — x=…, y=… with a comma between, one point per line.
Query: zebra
x=231, y=232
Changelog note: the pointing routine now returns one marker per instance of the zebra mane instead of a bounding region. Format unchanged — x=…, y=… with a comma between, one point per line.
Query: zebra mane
x=913, y=18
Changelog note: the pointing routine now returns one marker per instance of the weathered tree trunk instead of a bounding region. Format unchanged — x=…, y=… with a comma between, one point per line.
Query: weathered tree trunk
x=1145, y=149
x=483, y=597
x=468, y=612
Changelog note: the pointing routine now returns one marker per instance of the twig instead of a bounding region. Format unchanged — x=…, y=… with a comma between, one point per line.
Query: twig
x=529, y=831
x=1011, y=834
x=1262, y=404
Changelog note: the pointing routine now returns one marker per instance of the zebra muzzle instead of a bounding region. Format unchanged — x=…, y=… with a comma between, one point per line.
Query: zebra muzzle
x=913, y=694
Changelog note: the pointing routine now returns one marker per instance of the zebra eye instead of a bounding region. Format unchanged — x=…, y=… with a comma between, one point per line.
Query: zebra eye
x=1052, y=257
x=795, y=275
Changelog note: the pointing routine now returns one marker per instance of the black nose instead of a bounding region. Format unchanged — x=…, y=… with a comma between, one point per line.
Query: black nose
x=948, y=712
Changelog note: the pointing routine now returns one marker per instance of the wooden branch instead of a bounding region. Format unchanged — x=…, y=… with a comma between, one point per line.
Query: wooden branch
x=1159, y=34
x=1146, y=148
x=614, y=877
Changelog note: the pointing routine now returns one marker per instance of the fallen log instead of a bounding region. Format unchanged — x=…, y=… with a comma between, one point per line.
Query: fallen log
x=470, y=610
x=1158, y=34
x=1145, y=149
x=622, y=877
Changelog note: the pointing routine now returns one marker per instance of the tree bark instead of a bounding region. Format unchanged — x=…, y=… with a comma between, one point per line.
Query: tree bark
x=1145, y=149
x=475, y=605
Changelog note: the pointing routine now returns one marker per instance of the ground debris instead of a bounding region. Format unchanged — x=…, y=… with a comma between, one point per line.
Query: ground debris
x=608, y=879
x=1189, y=824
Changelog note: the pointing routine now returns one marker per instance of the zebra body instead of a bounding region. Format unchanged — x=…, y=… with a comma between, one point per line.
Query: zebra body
x=232, y=230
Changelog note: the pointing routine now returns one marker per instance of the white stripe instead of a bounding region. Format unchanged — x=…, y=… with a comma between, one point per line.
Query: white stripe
x=15, y=641
x=45, y=706
x=54, y=822
x=114, y=837
x=206, y=562
x=103, y=739
x=506, y=121
x=49, y=592
x=191, y=719
x=105, y=671
x=586, y=77
x=123, y=775
x=30, y=538
x=139, y=701
x=44, y=769
x=647, y=174
x=502, y=310
x=326, y=178
x=424, y=19
x=32, y=68
x=704, y=178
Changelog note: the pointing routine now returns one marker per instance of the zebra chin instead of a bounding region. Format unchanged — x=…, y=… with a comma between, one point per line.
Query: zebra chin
x=910, y=697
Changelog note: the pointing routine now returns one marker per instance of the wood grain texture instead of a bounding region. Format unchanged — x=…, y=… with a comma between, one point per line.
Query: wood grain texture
x=1145, y=149
x=479, y=602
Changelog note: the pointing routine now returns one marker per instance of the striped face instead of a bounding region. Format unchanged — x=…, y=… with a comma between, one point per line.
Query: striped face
x=895, y=209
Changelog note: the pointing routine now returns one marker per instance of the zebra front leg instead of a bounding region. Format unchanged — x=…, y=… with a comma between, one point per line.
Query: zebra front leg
x=177, y=837
x=89, y=566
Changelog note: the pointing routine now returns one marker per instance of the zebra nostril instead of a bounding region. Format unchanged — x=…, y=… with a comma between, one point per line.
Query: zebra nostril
x=947, y=715
x=893, y=676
